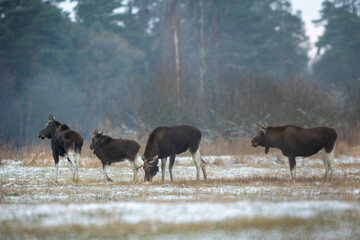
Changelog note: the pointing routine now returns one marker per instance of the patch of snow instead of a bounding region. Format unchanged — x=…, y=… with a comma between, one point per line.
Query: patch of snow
x=174, y=213
x=347, y=160
x=22, y=184
x=10, y=162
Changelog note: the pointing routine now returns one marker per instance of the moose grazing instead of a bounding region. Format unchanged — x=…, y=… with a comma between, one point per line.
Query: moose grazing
x=64, y=142
x=169, y=141
x=110, y=150
x=295, y=141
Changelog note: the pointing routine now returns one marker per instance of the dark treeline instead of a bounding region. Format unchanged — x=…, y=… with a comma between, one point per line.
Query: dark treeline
x=136, y=64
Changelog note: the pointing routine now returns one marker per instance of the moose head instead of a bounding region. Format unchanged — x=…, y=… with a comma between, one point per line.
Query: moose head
x=150, y=167
x=262, y=138
x=50, y=128
x=96, y=137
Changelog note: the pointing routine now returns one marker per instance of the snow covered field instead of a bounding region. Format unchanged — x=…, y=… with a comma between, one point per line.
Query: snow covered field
x=250, y=197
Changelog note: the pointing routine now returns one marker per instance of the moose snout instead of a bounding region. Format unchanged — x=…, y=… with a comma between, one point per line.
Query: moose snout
x=254, y=143
x=41, y=136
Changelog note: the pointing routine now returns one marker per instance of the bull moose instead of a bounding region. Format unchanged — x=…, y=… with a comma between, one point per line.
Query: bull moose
x=64, y=142
x=169, y=141
x=295, y=141
x=110, y=150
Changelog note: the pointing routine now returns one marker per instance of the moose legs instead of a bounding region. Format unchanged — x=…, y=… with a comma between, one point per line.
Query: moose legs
x=163, y=166
x=199, y=162
x=106, y=177
x=135, y=166
x=328, y=159
x=56, y=160
x=70, y=165
x=171, y=164
x=292, y=163
x=74, y=158
x=77, y=159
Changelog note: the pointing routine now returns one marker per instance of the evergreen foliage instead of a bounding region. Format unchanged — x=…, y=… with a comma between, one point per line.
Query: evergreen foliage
x=116, y=65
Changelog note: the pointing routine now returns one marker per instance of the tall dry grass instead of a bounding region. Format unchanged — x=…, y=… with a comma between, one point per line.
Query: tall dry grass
x=284, y=227
x=41, y=154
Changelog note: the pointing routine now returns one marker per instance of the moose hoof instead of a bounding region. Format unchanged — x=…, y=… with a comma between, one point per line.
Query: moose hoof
x=109, y=180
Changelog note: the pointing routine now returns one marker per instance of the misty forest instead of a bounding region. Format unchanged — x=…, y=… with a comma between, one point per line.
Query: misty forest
x=89, y=86
x=133, y=65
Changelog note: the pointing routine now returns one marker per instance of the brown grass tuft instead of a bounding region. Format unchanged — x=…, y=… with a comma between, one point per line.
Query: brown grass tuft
x=284, y=226
x=41, y=154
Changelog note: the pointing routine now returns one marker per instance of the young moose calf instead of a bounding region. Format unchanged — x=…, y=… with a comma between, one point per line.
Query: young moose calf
x=64, y=142
x=110, y=150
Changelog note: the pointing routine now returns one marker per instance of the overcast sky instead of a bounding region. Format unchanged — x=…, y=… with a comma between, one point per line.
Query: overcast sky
x=309, y=12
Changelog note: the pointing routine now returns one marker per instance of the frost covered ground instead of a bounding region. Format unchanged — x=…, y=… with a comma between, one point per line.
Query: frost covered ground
x=244, y=197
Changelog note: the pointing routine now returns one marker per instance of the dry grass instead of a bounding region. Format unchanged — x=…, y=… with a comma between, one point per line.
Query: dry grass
x=284, y=227
x=41, y=154
x=224, y=183
x=241, y=146
x=343, y=148
x=35, y=185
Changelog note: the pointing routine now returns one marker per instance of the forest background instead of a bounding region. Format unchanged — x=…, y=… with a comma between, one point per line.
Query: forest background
x=128, y=66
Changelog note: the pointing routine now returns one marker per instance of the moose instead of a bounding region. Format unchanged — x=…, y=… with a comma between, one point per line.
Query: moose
x=170, y=141
x=110, y=150
x=295, y=141
x=64, y=142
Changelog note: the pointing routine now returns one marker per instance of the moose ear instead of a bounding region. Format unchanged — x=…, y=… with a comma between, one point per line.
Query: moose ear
x=51, y=117
x=154, y=159
x=95, y=132
x=260, y=128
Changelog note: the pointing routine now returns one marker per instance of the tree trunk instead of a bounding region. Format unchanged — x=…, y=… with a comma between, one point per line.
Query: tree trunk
x=215, y=42
x=29, y=102
x=29, y=106
x=202, y=54
x=174, y=26
x=177, y=67
x=21, y=122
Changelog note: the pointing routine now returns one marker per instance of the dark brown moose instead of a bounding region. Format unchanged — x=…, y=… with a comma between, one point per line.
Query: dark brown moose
x=295, y=141
x=110, y=150
x=64, y=142
x=169, y=141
